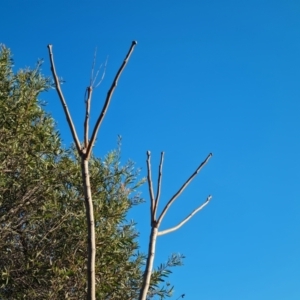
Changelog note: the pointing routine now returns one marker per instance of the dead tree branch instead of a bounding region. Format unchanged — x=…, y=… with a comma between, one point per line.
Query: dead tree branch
x=85, y=154
x=108, y=98
x=171, y=201
x=186, y=219
x=155, y=223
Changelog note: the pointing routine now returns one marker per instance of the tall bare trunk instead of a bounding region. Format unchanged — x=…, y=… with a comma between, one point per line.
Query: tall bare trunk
x=149, y=264
x=91, y=229
x=85, y=154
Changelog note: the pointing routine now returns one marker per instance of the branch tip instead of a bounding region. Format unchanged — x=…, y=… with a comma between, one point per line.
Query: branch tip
x=134, y=42
x=187, y=218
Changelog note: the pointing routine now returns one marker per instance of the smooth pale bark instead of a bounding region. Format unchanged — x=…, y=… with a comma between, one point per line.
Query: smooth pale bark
x=85, y=154
x=149, y=263
x=91, y=289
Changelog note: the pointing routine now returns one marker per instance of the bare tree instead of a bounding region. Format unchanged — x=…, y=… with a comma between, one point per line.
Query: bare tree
x=84, y=151
x=155, y=222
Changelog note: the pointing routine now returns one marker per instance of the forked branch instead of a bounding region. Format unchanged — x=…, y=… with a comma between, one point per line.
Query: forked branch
x=108, y=98
x=156, y=223
x=176, y=195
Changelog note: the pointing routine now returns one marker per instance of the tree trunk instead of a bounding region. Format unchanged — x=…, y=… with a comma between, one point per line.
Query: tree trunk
x=149, y=264
x=91, y=229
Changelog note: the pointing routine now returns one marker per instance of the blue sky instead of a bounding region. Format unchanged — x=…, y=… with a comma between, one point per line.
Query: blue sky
x=206, y=76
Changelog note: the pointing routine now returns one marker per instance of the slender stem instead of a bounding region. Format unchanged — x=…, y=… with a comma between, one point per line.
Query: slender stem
x=87, y=115
x=103, y=74
x=63, y=101
x=107, y=101
x=91, y=289
x=158, y=183
x=186, y=219
x=150, y=186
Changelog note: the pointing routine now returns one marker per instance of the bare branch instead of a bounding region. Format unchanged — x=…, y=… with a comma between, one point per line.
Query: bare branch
x=155, y=224
x=103, y=74
x=108, y=98
x=158, y=184
x=186, y=219
x=87, y=116
x=149, y=263
x=183, y=188
x=62, y=100
x=150, y=185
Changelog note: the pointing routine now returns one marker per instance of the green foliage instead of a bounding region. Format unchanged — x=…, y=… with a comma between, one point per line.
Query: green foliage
x=43, y=228
x=28, y=172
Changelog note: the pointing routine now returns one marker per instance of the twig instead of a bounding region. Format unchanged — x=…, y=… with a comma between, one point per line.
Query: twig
x=150, y=186
x=158, y=184
x=87, y=116
x=103, y=74
x=93, y=68
x=93, y=79
x=186, y=219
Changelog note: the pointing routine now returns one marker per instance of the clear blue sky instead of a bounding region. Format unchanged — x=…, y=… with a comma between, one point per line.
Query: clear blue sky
x=206, y=76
